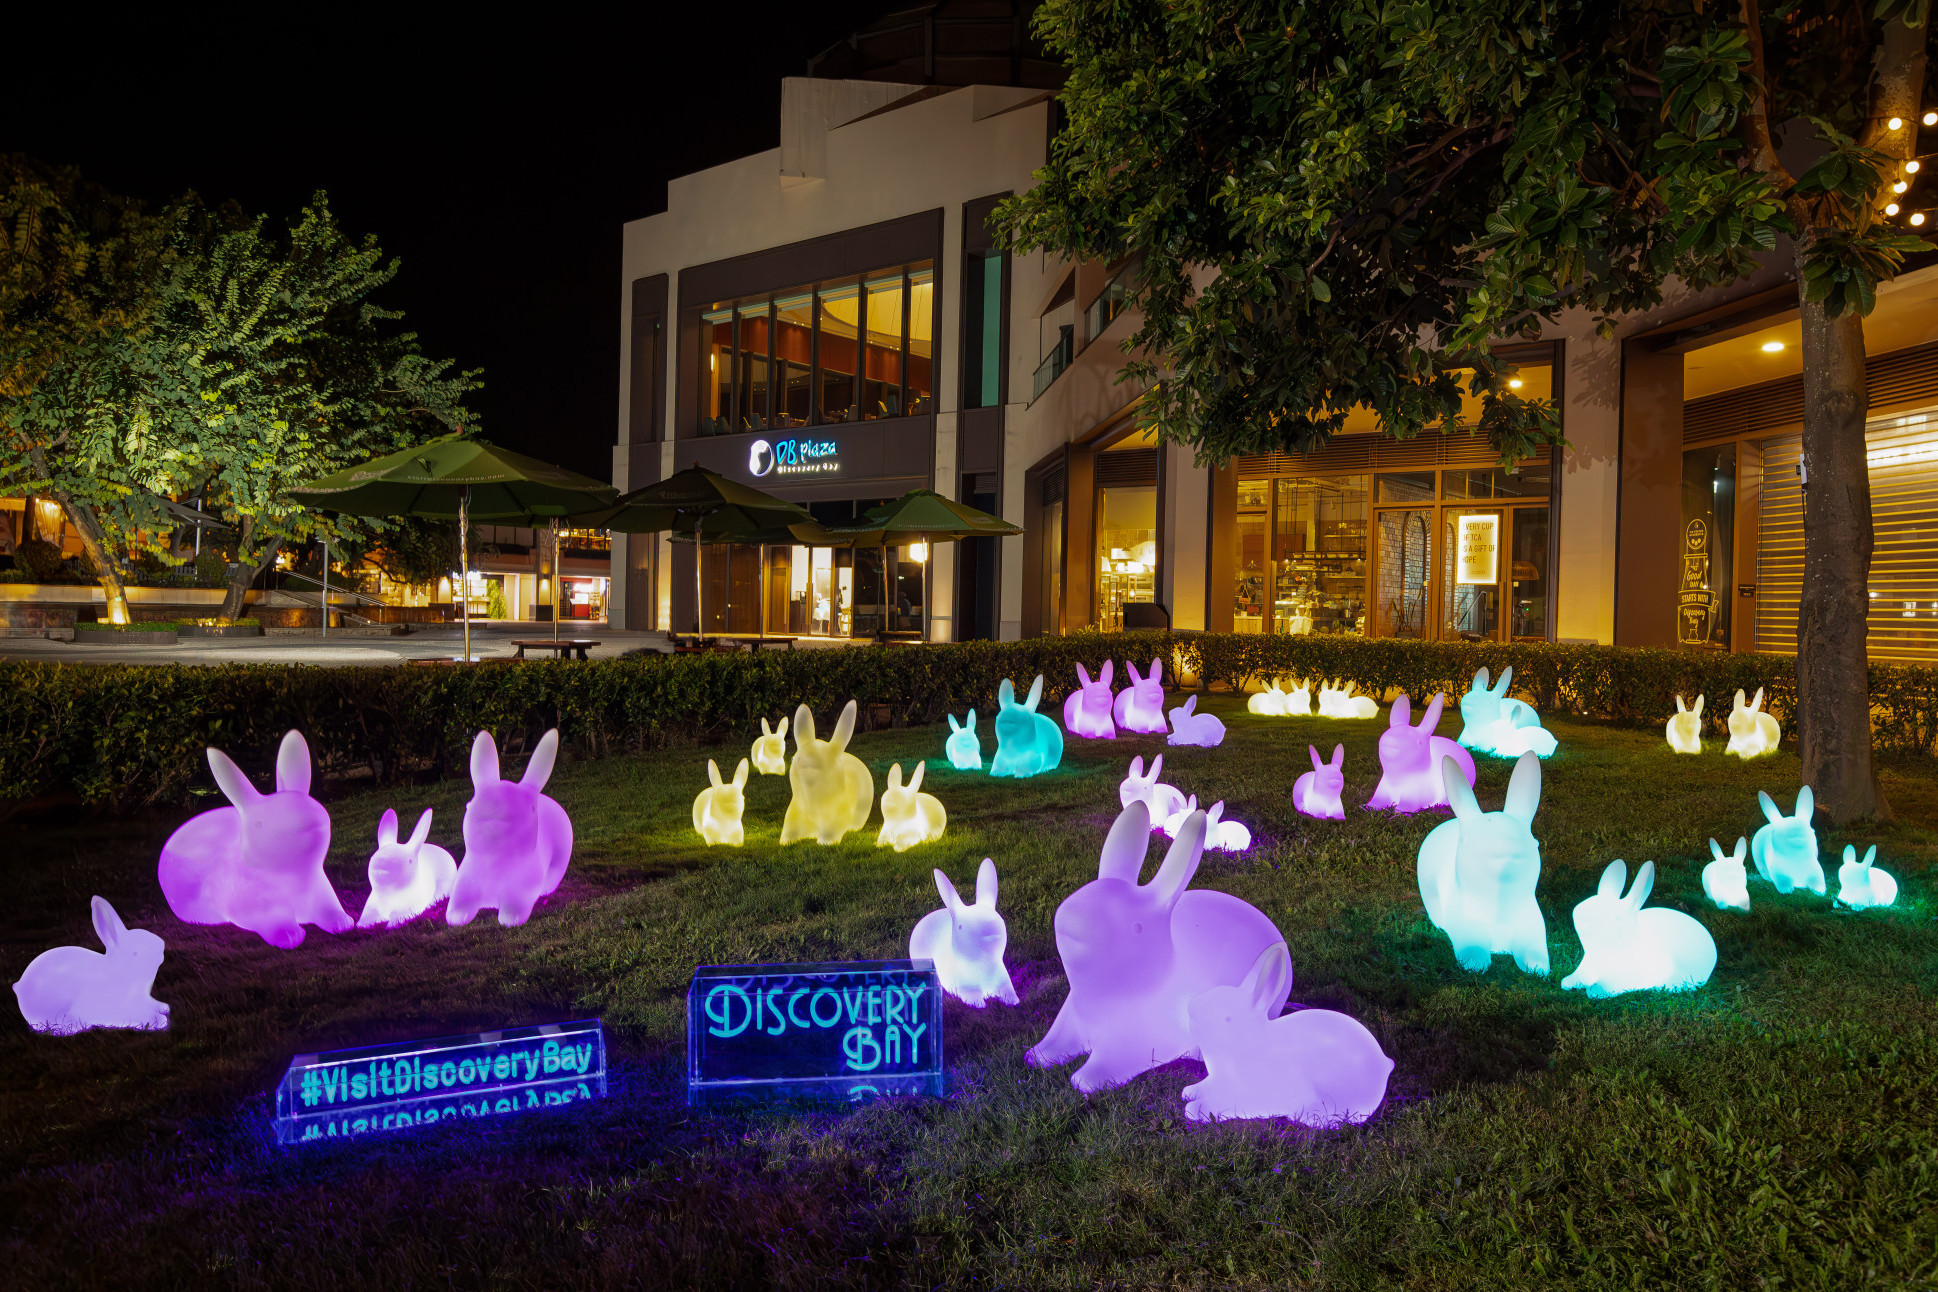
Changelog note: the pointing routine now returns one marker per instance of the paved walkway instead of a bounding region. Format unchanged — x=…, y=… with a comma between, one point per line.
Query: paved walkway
x=431, y=643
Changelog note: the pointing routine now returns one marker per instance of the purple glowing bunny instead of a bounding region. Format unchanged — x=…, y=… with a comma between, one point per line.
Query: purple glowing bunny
x=1409, y=760
x=1087, y=711
x=517, y=841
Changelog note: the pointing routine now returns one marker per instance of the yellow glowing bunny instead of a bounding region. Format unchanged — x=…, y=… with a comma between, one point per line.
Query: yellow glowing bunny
x=909, y=818
x=770, y=753
x=716, y=813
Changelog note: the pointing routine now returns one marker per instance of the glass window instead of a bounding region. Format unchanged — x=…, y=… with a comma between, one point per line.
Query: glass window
x=716, y=371
x=1319, y=555
x=1254, y=493
x=839, y=311
x=793, y=357
x=1405, y=564
x=1248, y=612
x=1708, y=539
x=871, y=610
x=881, y=383
x=1526, y=480
x=753, y=337
x=1126, y=551
x=921, y=342
x=982, y=332
x=1408, y=486
x=1527, y=576
x=1470, y=545
x=1052, y=582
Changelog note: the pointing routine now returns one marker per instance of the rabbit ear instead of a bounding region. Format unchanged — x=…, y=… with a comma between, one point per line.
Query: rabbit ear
x=1269, y=981
x=803, y=727
x=1643, y=886
x=764, y=732
x=1083, y=674
x=1316, y=764
x=740, y=775
x=1036, y=693
x=1431, y=718
x=1157, y=766
x=235, y=786
x=1181, y=862
x=484, y=760
x=1698, y=705
x=1213, y=815
x=954, y=726
x=986, y=883
x=1480, y=679
x=713, y=773
x=1612, y=880
x=387, y=828
x=1806, y=804
x=293, y=763
x=1742, y=847
x=1679, y=708
x=1401, y=713
x=972, y=721
x=1338, y=757
x=915, y=781
x=781, y=729
x=1125, y=845
x=1107, y=673
x=1190, y=704
x=539, y=769
x=951, y=899
x=421, y=833
x=1739, y=698
x=1850, y=854
x=1460, y=795
x=107, y=925
x=1771, y=813
x=1507, y=676
x=844, y=726
x=1006, y=694
x=1757, y=703
x=895, y=779
x=1716, y=850
x=1136, y=772
x=1523, y=788
x=1870, y=855
x=1157, y=672
x=1135, y=676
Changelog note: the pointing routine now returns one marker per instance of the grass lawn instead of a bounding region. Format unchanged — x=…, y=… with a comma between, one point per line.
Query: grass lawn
x=1777, y=1128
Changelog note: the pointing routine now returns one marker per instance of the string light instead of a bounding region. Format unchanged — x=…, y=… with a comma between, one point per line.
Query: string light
x=1931, y=118
x=1899, y=187
x=1895, y=123
x=1911, y=168
x=1890, y=208
x=1918, y=217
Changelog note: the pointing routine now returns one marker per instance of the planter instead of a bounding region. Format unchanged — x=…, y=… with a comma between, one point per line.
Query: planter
x=221, y=630
x=131, y=637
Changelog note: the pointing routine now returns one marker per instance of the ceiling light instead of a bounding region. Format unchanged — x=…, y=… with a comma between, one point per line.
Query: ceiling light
x=1772, y=347
x=1890, y=208
x=1513, y=383
x=1895, y=123
x=1917, y=217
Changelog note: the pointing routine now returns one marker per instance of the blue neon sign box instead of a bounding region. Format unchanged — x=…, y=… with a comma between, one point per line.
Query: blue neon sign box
x=849, y=1030
x=372, y=1088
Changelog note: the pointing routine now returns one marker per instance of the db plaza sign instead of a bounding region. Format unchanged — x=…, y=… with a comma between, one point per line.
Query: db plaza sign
x=898, y=454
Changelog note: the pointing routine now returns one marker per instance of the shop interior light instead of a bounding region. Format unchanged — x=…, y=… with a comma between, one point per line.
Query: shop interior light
x=918, y=552
x=1772, y=347
x=1514, y=383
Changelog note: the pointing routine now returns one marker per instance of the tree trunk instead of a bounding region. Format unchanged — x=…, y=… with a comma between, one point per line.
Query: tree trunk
x=94, y=541
x=247, y=568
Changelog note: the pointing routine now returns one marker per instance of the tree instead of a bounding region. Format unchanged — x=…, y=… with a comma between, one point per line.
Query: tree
x=1343, y=203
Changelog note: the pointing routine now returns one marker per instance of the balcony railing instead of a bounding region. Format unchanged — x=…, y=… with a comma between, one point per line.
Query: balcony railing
x=1110, y=302
x=1054, y=362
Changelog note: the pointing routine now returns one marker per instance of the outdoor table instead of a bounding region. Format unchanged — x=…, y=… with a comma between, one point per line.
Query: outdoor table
x=563, y=646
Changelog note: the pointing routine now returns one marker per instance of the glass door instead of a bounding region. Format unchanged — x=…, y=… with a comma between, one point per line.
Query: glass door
x=1405, y=572
x=1527, y=576
x=1472, y=595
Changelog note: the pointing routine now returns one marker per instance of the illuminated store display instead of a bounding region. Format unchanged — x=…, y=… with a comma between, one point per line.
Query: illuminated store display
x=71, y=989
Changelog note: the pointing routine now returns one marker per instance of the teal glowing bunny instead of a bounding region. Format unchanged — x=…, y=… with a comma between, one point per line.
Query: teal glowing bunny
x=1785, y=850
x=962, y=746
x=1027, y=742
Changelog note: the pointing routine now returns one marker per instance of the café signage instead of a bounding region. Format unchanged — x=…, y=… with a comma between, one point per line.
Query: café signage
x=795, y=456
x=1478, y=549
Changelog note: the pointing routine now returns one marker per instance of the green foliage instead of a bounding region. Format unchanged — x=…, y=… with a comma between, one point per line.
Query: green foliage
x=495, y=607
x=40, y=560
x=211, y=568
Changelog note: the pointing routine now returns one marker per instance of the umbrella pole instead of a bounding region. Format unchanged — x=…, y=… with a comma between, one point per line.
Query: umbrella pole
x=326, y=587
x=698, y=588
x=555, y=581
x=464, y=564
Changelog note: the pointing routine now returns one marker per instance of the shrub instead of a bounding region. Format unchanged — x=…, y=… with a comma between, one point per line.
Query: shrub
x=211, y=569
x=41, y=560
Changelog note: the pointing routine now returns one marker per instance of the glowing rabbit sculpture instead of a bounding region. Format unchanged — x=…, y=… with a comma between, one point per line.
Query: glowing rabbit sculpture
x=1192, y=728
x=257, y=864
x=908, y=816
x=1315, y=1066
x=1409, y=760
x=71, y=989
x=1752, y=733
x=1478, y=873
x=1087, y=711
x=1317, y=792
x=1724, y=881
x=1685, y=729
x=517, y=839
x=1785, y=850
x=1161, y=801
x=833, y=790
x=962, y=746
x=717, y=810
x=770, y=749
x=1494, y=722
x=1340, y=702
x=1137, y=954
x=1625, y=948
x=1861, y=885
x=1220, y=835
x=1139, y=707
x=966, y=942
x=408, y=878
x=1027, y=742
x=1298, y=701
x=1269, y=703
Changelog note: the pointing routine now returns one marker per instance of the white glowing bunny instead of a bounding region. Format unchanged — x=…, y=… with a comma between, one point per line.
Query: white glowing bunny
x=1340, y=702
x=257, y=864
x=70, y=989
x=1314, y=1066
x=1478, y=872
x=1685, y=729
x=1409, y=760
x=1785, y=850
x=1160, y=800
x=517, y=840
x=408, y=878
x=1317, y=792
x=1625, y=948
x=1752, y=733
x=1139, y=707
x=1861, y=885
x=1220, y=835
x=966, y=942
x=1136, y=954
x=1087, y=711
x=909, y=817
x=833, y=790
x=770, y=749
x=962, y=746
x=1724, y=881
x=716, y=812
x=1298, y=701
x=1269, y=703
x=1192, y=728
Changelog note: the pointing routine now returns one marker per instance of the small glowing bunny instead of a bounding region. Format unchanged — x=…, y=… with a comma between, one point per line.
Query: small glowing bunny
x=1162, y=801
x=1785, y=850
x=517, y=839
x=1751, y=732
x=1298, y=701
x=962, y=746
x=908, y=816
x=1220, y=835
x=1861, y=885
x=770, y=749
x=1087, y=710
x=1685, y=729
x=1189, y=728
x=716, y=812
x=1724, y=880
x=408, y=878
x=1625, y=948
x=1340, y=702
x=966, y=942
x=70, y=989
x=833, y=790
x=1478, y=873
x=1269, y=703
x=1494, y=722
x=1317, y=792
x=1314, y=1066
x=1139, y=707
x=1410, y=757
x=1027, y=742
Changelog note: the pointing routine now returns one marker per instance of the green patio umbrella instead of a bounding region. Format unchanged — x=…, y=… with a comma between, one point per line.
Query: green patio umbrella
x=921, y=516
x=457, y=478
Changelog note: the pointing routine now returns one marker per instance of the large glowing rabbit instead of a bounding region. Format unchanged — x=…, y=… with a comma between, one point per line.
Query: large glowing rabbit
x=1861, y=885
x=257, y=864
x=1340, y=702
x=1625, y=948
x=1269, y=703
x=770, y=749
x=908, y=816
x=1409, y=760
x=1191, y=728
x=517, y=839
x=962, y=746
x=1087, y=711
x=1685, y=729
x=1317, y=792
x=1314, y=1066
x=408, y=878
x=70, y=989
x=834, y=792
x=1298, y=701
x=1136, y=954
x=1724, y=881
x=966, y=942
x=1160, y=800
x=1478, y=873
x=1785, y=850
x=1139, y=707
x=1494, y=722
x=1027, y=742
x=1752, y=733
x=717, y=810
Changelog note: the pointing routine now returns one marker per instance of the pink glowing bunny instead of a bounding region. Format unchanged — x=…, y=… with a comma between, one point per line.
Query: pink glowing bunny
x=70, y=989
x=257, y=864
x=1139, y=707
x=408, y=878
x=1136, y=954
x=1088, y=709
x=517, y=841
x=1317, y=792
x=1409, y=760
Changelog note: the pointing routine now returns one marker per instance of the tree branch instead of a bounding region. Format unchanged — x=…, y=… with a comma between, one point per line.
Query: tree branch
x=1756, y=121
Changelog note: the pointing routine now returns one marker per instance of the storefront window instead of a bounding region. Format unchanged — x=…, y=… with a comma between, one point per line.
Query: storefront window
x=881, y=383
x=1319, y=555
x=716, y=377
x=1408, y=486
x=752, y=367
x=1470, y=545
x=1527, y=586
x=921, y=342
x=1052, y=582
x=1707, y=534
x=1248, y=613
x=1405, y=563
x=839, y=309
x=793, y=357
x=1126, y=551
x=1526, y=480
x=982, y=333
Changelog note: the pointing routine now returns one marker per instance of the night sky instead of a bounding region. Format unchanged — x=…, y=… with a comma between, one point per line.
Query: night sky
x=496, y=152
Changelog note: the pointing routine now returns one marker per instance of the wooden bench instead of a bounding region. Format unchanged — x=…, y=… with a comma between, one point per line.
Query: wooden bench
x=564, y=646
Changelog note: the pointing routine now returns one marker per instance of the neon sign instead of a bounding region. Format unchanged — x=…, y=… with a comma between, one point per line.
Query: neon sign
x=346, y=1093
x=849, y=1030
x=794, y=457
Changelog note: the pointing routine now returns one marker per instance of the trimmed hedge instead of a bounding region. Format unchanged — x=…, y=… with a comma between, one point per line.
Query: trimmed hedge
x=127, y=735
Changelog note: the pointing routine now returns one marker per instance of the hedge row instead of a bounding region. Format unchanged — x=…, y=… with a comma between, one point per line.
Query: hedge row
x=125, y=736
